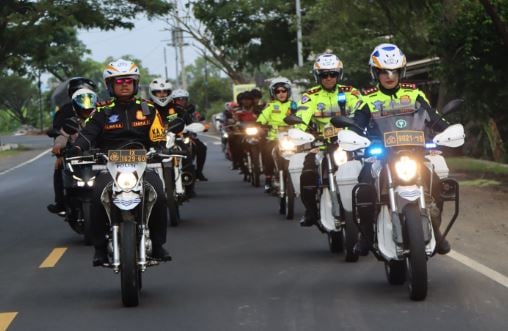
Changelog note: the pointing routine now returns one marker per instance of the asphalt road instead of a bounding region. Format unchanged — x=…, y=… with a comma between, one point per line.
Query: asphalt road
x=238, y=265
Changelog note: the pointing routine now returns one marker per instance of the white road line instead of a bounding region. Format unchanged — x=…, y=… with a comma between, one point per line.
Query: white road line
x=25, y=163
x=209, y=136
x=477, y=266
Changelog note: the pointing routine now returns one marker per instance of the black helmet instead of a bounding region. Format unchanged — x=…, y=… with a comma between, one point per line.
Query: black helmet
x=77, y=83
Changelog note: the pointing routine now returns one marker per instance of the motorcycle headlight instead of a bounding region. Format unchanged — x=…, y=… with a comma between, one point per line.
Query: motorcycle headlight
x=91, y=181
x=225, y=135
x=126, y=180
x=186, y=140
x=340, y=156
x=251, y=131
x=406, y=168
x=287, y=145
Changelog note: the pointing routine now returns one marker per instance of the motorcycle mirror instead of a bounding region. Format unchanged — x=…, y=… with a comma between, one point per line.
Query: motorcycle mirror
x=343, y=122
x=71, y=125
x=292, y=120
x=451, y=106
x=176, y=125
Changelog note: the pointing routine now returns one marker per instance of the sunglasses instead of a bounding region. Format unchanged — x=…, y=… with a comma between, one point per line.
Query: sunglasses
x=329, y=74
x=280, y=91
x=120, y=81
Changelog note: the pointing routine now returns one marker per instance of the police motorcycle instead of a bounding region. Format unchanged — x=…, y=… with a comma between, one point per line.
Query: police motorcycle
x=289, y=159
x=333, y=219
x=403, y=235
x=177, y=171
x=78, y=181
x=252, y=166
x=128, y=201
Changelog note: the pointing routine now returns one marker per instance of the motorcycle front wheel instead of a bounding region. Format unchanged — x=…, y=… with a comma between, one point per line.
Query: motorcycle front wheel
x=129, y=270
x=416, y=261
x=351, y=237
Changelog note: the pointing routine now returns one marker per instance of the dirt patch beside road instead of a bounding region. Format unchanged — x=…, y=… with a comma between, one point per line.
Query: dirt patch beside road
x=481, y=230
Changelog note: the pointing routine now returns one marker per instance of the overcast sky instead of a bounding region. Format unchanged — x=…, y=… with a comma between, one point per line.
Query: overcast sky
x=144, y=42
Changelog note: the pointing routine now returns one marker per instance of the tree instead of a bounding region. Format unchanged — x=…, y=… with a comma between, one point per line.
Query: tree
x=16, y=97
x=242, y=35
x=33, y=32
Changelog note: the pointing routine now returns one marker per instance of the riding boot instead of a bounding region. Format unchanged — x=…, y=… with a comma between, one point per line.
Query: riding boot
x=268, y=184
x=444, y=247
x=311, y=211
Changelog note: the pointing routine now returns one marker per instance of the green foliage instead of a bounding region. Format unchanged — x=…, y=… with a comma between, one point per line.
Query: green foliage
x=17, y=97
x=215, y=88
x=42, y=34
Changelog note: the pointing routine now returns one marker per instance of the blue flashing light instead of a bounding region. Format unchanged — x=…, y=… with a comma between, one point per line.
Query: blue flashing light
x=374, y=151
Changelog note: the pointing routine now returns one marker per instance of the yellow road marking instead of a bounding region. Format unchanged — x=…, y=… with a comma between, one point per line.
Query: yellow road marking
x=6, y=319
x=53, y=257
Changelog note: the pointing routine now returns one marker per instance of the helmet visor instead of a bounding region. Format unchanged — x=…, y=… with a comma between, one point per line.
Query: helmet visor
x=86, y=100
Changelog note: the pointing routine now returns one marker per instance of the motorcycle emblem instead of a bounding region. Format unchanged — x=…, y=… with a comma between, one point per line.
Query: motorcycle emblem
x=113, y=118
x=401, y=124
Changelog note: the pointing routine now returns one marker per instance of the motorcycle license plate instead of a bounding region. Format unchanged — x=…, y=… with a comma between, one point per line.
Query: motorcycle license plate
x=127, y=155
x=404, y=138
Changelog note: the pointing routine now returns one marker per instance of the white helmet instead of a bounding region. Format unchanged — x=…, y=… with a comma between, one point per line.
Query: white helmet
x=327, y=63
x=160, y=84
x=120, y=68
x=387, y=57
x=179, y=93
x=280, y=82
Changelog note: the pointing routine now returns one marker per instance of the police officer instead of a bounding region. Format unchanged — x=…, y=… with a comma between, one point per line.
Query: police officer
x=273, y=115
x=181, y=107
x=317, y=106
x=387, y=67
x=61, y=115
x=123, y=120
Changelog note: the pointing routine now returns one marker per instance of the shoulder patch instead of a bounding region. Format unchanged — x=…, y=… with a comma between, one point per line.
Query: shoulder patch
x=345, y=88
x=408, y=86
x=370, y=90
x=104, y=103
x=313, y=90
x=305, y=99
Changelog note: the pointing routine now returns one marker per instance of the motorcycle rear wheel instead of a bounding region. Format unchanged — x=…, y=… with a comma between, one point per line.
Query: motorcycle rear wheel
x=416, y=261
x=130, y=275
x=395, y=272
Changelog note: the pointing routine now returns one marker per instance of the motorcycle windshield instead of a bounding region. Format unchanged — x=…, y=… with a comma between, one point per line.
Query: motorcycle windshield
x=402, y=128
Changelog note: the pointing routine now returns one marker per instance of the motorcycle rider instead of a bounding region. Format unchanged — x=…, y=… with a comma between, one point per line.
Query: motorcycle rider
x=273, y=115
x=388, y=66
x=318, y=105
x=180, y=107
x=259, y=103
x=122, y=120
x=245, y=113
x=61, y=115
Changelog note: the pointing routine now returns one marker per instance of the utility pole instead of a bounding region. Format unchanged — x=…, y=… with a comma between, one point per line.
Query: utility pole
x=40, y=100
x=206, y=84
x=165, y=64
x=178, y=40
x=299, y=33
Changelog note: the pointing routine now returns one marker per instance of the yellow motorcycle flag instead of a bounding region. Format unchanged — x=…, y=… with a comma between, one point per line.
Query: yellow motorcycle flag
x=157, y=130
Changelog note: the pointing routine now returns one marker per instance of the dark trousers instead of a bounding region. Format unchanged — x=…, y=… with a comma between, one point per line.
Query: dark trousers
x=200, y=155
x=309, y=182
x=235, y=145
x=157, y=223
x=268, y=162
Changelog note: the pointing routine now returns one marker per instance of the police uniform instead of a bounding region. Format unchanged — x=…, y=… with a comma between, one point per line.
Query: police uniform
x=272, y=115
x=112, y=125
x=318, y=105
